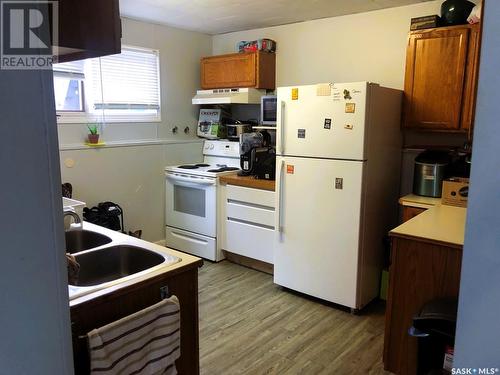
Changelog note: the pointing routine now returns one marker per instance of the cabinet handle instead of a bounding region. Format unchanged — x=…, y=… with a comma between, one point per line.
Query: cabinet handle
x=189, y=238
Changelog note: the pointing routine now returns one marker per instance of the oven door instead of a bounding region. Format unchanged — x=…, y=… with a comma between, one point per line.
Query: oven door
x=191, y=203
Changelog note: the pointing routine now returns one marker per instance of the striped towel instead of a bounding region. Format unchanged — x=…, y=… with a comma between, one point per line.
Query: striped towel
x=147, y=342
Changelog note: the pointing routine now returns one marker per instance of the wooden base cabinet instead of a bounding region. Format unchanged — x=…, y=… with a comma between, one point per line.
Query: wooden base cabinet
x=441, y=78
x=420, y=271
x=249, y=69
x=182, y=282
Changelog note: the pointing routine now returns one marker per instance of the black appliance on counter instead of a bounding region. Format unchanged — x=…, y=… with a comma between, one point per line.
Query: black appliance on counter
x=257, y=158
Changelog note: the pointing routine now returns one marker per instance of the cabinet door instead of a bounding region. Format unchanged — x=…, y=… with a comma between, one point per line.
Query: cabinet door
x=82, y=34
x=471, y=71
x=226, y=71
x=435, y=76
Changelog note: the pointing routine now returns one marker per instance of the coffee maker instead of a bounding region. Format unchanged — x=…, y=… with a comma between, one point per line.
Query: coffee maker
x=257, y=157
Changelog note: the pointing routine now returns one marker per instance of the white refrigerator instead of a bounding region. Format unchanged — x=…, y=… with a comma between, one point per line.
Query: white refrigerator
x=337, y=180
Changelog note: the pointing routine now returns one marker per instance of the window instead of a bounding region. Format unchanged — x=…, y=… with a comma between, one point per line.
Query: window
x=68, y=86
x=116, y=88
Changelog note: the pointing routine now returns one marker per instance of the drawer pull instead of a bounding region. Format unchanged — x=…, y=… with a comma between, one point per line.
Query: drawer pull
x=189, y=238
x=250, y=223
x=248, y=204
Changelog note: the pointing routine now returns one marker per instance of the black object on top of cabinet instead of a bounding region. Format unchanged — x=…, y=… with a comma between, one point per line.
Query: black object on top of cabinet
x=86, y=29
x=455, y=12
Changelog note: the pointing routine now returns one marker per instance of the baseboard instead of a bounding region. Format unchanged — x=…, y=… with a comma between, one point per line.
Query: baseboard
x=249, y=262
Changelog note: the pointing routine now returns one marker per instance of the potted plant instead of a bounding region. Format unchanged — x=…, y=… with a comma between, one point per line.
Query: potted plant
x=93, y=136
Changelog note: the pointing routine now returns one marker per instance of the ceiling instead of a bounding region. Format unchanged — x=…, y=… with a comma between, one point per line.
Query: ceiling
x=223, y=16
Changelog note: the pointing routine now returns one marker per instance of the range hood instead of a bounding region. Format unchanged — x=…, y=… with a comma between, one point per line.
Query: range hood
x=229, y=96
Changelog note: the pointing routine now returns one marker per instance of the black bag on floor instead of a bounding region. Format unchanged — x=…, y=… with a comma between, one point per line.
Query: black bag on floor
x=106, y=214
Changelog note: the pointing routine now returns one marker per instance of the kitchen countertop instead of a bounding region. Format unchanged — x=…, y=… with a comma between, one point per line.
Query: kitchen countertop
x=440, y=224
x=419, y=201
x=248, y=181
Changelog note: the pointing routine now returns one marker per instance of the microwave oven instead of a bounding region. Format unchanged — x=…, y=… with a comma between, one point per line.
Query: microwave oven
x=268, y=110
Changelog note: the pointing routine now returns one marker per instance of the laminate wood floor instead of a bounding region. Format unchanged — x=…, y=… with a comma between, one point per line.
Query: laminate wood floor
x=248, y=325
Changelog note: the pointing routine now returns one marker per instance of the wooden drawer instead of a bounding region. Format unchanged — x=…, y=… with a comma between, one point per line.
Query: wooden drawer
x=257, y=197
x=249, y=240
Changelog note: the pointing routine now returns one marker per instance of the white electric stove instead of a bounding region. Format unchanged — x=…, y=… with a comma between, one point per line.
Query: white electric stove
x=191, y=199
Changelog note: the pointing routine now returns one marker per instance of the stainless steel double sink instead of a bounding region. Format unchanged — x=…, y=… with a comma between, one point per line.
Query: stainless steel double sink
x=107, y=258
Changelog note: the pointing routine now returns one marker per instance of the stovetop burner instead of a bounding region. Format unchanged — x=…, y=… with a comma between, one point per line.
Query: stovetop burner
x=188, y=166
x=223, y=169
x=203, y=169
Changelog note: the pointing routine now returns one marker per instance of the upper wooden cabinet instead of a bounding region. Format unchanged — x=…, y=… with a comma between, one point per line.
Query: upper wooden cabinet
x=249, y=69
x=440, y=78
x=89, y=28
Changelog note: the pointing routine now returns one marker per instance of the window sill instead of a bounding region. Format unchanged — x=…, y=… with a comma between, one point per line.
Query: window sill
x=83, y=146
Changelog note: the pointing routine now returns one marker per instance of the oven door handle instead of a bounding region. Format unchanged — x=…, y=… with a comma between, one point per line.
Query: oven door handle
x=191, y=180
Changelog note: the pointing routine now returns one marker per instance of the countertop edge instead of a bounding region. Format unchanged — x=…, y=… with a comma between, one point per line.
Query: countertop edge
x=426, y=240
x=249, y=182
x=172, y=270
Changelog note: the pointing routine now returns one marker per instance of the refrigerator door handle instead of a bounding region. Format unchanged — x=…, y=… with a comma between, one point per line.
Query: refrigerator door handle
x=280, y=200
x=282, y=128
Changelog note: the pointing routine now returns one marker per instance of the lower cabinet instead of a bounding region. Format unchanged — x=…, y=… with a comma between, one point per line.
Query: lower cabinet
x=247, y=222
x=99, y=311
x=420, y=271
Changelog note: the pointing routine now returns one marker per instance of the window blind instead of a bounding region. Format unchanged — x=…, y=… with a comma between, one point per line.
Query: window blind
x=128, y=81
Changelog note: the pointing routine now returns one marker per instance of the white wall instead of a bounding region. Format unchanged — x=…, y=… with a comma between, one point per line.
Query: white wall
x=133, y=176
x=478, y=329
x=360, y=47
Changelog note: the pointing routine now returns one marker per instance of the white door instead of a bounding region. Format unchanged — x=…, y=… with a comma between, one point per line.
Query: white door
x=318, y=226
x=190, y=203
x=324, y=120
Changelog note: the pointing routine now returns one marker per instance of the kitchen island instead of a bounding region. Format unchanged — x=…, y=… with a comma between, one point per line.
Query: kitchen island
x=426, y=257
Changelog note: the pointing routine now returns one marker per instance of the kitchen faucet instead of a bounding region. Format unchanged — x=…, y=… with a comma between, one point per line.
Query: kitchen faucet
x=77, y=225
